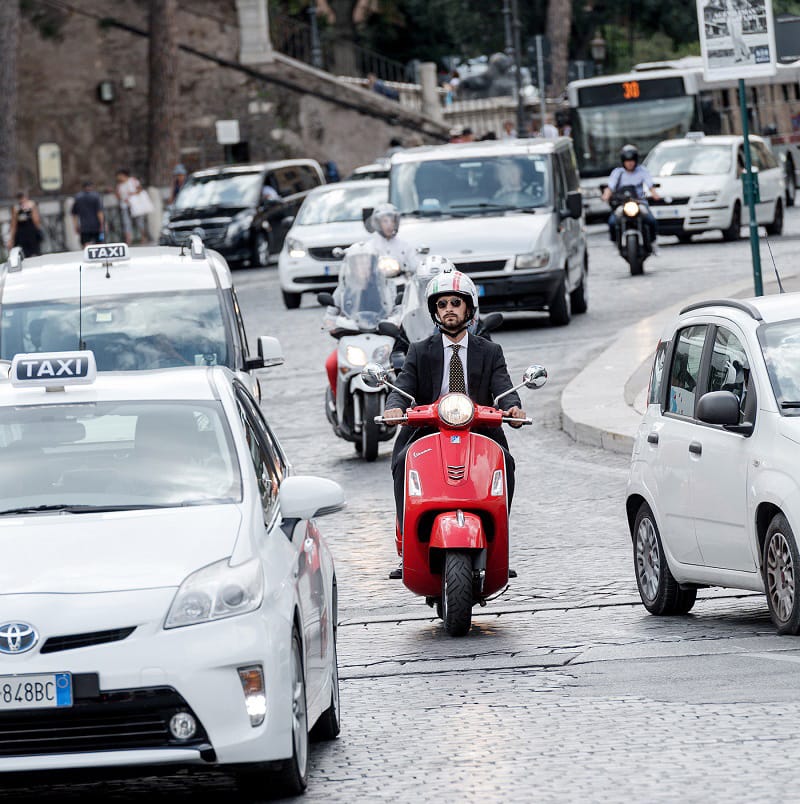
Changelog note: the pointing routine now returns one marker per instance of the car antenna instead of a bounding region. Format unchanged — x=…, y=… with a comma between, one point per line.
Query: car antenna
x=775, y=267
x=80, y=306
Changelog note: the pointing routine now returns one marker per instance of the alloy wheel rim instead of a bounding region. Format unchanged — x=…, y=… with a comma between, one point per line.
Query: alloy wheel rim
x=299, y=714
x=648, y=559
x=780, y=576
x=263, y=250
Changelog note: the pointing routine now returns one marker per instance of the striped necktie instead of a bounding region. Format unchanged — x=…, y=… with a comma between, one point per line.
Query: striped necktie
x=457, y=384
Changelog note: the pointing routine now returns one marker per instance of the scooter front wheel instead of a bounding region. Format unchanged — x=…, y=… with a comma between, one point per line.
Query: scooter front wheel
x=457, y=593
x=370, y=432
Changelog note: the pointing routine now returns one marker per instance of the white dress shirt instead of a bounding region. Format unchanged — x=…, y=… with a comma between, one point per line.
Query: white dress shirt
x=448, y=353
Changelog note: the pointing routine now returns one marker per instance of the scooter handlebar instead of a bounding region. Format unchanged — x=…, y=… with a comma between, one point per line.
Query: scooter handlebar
x=399, y=420
x=512, y=420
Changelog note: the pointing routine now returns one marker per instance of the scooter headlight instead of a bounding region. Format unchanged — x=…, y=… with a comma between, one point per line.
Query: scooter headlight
x=456, y=410
x=356, y=356
x=631, y=209
x=388, y=266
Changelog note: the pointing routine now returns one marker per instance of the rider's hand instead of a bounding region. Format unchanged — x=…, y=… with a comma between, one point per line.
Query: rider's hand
x=392, y=413
x=515, y=413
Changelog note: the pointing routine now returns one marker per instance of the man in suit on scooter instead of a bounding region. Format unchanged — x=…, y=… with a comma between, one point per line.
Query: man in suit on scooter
x=450, y=360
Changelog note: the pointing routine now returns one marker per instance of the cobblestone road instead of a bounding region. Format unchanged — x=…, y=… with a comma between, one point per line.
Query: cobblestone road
x=565, y=690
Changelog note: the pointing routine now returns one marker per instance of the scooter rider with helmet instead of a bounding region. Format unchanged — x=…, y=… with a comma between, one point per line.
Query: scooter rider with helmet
x=450, y=360
x=385, y=223
x=631, y=174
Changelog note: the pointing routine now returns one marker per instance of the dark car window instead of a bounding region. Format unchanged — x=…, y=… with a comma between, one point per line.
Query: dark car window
x=657, y=374
x=263, y=461
x=685, y=370
x=729, y=369
x=292, y=179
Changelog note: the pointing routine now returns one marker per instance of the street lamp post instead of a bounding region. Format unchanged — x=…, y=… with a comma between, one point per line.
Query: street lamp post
x=316, y=51
x=512, y=42
x=598, y=48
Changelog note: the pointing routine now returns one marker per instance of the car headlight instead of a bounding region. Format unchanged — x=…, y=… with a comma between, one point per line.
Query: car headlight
x=388, y=266
x=295, y=248
x=239, y=224
x=356, y=356
x=217, y=591
x=536, y=259
x=456, y=409
x=630, y=208
x=706, y=197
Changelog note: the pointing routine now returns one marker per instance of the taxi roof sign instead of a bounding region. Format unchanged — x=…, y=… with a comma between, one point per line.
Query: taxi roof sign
x=106, y=252
x=53, y=369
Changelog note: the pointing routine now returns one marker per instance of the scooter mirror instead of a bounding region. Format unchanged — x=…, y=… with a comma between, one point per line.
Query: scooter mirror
x=373, y=375
x=535, y=376
x=389, y=328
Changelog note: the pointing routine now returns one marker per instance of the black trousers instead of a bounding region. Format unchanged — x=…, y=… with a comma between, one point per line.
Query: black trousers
x=399, y=474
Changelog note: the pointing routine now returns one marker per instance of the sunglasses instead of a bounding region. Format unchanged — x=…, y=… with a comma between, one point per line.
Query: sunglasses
x=454, y=303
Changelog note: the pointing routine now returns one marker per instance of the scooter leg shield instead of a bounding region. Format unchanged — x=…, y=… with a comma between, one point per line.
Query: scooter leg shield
x=456, y=530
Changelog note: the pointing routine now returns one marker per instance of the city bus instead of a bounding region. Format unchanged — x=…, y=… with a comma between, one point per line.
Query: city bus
x=667, y=99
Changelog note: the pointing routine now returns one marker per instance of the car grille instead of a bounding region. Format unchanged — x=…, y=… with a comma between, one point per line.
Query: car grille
x=326, y=252
x=478, y=267
x=674, y=200
x=456, y=472
x=212, y=235
x=106, y=721
x=72, y=641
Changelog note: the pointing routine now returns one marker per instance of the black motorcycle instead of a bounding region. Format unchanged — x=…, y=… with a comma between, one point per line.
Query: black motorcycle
x=634, y=240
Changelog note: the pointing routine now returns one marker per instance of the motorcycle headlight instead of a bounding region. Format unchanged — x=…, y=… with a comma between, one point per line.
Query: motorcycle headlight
x=356, y=356
x=388, y=266
x=381, y=354
x=631, y=209
x=536, y=259
x=241, y=223
x=295, y=247
x=456, y=410
x=217, y=591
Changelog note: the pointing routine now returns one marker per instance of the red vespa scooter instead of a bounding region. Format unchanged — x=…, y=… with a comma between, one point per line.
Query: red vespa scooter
x=454, y=542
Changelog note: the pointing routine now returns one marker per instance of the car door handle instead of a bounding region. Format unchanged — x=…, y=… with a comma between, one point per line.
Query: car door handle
x=696, y=448
x=652, y=438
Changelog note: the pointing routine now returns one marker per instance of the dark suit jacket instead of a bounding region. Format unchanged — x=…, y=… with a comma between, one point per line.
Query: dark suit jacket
x=487, y=377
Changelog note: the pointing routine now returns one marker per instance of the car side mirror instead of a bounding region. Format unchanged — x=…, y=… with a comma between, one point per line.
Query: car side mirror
x=270, y=353
x=722, y=407
x=287, y=222
x=326, y=299
x=574, y=204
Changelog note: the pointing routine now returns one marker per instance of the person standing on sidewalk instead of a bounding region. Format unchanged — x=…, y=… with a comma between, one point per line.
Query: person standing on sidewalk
x=26, y=226
x=128, y=189
x=88, y=215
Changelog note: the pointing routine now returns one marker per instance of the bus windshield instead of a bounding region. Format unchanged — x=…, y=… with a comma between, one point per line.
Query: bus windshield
x=600, y=131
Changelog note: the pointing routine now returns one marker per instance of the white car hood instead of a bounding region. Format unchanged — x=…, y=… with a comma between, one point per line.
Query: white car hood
x=343, y=233
x=477, y=235
x=789, y=427
x=112, y=552
x=687, y=185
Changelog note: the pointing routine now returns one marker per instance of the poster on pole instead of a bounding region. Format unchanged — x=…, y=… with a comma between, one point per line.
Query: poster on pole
x=737, y=38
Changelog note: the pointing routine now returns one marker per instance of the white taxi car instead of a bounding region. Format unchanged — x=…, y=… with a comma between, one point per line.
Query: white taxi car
x=713, y=496
x=699, y=180
x=135, y=308
x=167, y=598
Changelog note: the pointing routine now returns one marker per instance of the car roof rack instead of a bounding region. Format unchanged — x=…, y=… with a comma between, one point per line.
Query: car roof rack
x=15, y=257
x=196, y=247
x=737, y=305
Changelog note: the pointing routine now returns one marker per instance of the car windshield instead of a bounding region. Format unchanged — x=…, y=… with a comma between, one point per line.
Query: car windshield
x=780, y=343
x=110, y=455
x=340, y=204
x=689, y=160
x=473, y=186
x=229, y=190
x=143, y=331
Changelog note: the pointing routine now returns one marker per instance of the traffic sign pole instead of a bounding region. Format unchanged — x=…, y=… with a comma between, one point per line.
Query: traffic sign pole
x=749, y=181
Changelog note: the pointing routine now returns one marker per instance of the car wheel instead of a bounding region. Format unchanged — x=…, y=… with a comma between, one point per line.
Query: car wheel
x=260, y=250
x=779, y=566
x=560, y=311
x=734, y=230
x=684, y=238
x=791, y=185
x=292, y=779
x=329, y=724
x=658, y=589
x=291, y=300
x=579, y=298
x=776, y=227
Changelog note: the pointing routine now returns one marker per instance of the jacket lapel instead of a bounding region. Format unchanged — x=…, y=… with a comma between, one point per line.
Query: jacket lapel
x=436, y=354
x=474, y=365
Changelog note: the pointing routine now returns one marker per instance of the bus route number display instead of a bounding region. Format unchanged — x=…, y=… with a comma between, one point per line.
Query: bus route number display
x=631, y=91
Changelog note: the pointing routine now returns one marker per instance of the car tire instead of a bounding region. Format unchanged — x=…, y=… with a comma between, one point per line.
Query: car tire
x=733, y=232
x=579, y=298
x=260, y=258
x=791, y=185
x=684, y=238
x=292, y=779
x=560, y=312
x=779, y=568
x=776, y=227
x=291, y=300
x=660, y=593
x=329, y=724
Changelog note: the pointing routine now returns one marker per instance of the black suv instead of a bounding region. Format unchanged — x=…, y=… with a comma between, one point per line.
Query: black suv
x=241, y=211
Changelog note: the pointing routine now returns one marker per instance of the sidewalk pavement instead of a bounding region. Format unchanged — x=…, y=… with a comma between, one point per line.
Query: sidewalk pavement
x=603, y=405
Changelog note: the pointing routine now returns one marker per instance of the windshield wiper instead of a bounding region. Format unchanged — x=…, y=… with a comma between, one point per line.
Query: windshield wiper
x=481, y=205
x=792, y=404
x=77, y=509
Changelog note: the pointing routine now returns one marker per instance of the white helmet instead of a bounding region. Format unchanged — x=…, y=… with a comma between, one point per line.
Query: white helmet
x=432, y=264
x=385, y=212
x=451, y=282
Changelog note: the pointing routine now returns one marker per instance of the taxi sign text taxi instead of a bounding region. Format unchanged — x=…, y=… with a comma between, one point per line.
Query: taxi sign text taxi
x=61, y=368
x=106, y=251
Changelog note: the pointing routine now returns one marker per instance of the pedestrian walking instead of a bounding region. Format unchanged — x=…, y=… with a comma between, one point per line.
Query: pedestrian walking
x=26, y=226
x=88, y=215
x=178, y=180
x=134, y=206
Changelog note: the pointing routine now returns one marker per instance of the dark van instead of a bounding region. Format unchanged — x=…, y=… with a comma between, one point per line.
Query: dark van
x=241, y=211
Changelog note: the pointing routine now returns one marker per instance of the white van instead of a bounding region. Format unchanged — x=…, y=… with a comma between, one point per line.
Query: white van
x=507, y=212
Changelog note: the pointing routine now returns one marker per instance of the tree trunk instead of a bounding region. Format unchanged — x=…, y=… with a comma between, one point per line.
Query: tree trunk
x=163, y=148
x=559, y=21
x=9, y=43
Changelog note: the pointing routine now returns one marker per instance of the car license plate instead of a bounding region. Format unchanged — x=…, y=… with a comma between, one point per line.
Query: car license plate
x=667, y=212
x=45, y=691
x=481, y=290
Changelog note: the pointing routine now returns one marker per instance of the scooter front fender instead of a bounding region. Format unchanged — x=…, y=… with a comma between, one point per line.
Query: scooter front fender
x=457, y=530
